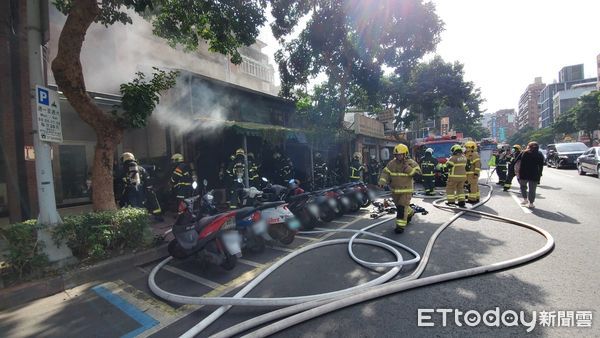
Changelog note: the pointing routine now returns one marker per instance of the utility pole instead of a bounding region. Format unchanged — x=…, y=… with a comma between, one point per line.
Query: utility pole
x=48, y=215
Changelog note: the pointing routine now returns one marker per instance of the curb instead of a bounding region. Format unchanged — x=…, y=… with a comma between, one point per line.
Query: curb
x=21, y=294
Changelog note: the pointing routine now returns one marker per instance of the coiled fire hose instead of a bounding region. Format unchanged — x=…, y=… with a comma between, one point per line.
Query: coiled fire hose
x=308, y=307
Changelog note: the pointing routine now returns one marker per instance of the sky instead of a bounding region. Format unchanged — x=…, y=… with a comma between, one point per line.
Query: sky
x=505, y=44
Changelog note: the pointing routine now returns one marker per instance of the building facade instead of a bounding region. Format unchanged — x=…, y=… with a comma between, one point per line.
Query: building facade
x=569, y=76
x=238, y=101
x=564, y=100
x=529, y=111
x=502, y=124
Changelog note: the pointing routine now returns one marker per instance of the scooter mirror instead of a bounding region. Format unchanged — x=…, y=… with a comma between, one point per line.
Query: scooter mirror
x=204, y=182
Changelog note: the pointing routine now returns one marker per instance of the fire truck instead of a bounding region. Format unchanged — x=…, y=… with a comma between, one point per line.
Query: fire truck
x=441, y=151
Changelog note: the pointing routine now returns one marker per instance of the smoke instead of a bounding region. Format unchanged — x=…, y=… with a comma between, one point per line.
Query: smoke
x=193, y=108
x=112, y=55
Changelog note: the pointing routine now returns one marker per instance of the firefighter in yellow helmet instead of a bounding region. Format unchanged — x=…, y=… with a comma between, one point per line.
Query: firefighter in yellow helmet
x=181, y=178
x=399, y=174
x=236, y=171
x=457, y=175
x=356, y=168
x=473, y=168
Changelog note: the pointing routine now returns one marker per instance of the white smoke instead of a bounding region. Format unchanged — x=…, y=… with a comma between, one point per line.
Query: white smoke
x=112, y=55
x=200, y=114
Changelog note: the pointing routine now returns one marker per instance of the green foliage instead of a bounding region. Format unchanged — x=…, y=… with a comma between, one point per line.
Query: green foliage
x=225, y=24
x=24, y=251
x=96, y=234
x=587, y=113
x=140, y=97
x=350, y=41
x=542, y=136
x=436, y=89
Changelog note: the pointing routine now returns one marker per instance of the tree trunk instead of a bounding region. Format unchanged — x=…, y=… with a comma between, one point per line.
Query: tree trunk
x=69, y=78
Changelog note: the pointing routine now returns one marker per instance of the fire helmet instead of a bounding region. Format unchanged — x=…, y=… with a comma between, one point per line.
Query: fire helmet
x=400, y=149
x=177, y=158
x=127, y=157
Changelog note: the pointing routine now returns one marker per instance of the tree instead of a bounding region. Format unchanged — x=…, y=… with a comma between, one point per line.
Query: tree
x=565, y=123
x=224, y=24
x=587, y=113
x=521, y=136
x=350, y=41
x=437, y=88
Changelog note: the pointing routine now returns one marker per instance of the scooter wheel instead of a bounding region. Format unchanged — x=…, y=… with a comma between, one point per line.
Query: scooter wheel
x=229, y=263
x=176, y=250
x=288, y=239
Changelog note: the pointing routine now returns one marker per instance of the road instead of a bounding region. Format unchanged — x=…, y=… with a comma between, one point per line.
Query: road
x=563, y=283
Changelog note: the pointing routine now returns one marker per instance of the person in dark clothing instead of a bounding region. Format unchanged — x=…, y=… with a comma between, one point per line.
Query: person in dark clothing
x=428, y=164
x=373, y=168
x=133, y=178
x=182, y=178
x=320, y=171
x=528, y=167
x=516, y=150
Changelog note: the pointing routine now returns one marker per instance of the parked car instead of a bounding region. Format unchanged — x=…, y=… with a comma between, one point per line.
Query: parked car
x=545, y=153
x=589, y=162
x=562, y=155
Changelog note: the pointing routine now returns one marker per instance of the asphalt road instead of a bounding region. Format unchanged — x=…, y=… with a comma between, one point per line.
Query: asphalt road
x=563, y=281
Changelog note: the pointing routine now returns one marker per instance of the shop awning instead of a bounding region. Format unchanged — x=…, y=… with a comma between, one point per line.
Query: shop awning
x=259, y=129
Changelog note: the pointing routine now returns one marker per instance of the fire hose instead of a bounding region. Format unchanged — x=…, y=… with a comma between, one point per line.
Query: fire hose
x=307, y=307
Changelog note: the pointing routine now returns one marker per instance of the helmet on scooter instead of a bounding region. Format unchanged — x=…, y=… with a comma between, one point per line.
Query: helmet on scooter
x=293, y=184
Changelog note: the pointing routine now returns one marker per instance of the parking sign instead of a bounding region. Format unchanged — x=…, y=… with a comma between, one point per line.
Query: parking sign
x=48, y=115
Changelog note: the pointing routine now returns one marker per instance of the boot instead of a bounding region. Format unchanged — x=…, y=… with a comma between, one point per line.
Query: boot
x=450, y=203
x=461, y=204
x=399, y=230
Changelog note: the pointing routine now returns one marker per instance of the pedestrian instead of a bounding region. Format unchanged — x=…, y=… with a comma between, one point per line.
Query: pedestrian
x=528, y=167
x=399, y=173
x=428, y=164
x=516, y=150
x=473, y=169
x=457, y=175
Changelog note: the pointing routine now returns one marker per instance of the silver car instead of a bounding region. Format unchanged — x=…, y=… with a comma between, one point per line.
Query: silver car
x=589, y=162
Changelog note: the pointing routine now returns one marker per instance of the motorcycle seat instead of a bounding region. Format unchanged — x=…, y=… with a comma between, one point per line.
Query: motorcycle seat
x=203, y=222
x=270, y=205
x=300, y=196
x=244, y=212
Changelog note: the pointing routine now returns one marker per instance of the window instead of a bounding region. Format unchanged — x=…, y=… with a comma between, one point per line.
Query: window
x=75, y=181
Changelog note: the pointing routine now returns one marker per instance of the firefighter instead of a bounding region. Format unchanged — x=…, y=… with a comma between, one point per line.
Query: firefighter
x=398, y=173
x=133, y=178
x=516, y=150
x=182, y=178
x=356, y=168
x=235, y=177
x=373, y=168
x=473, y=168
x=502, y=165
x=428, y=166
x=320, y=171
x=253, y=176
x=457, y=175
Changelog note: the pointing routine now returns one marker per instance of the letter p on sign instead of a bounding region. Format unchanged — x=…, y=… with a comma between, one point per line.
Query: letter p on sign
x=43, y=97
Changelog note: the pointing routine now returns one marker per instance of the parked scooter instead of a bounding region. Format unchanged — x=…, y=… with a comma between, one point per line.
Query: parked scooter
x=214, y=238
x=302, y=204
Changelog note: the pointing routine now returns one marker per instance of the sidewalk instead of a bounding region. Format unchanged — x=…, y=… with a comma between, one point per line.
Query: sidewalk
x=22, y=293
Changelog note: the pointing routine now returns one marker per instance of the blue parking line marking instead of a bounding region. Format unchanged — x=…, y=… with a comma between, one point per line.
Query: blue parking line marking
x=145, y=320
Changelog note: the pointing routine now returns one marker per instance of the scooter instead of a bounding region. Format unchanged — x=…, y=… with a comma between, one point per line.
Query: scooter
x=214, y=238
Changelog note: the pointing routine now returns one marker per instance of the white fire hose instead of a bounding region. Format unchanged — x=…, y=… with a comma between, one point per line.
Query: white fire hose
x=304, y=308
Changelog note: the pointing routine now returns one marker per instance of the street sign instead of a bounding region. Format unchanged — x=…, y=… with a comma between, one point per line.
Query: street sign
x=48, y=115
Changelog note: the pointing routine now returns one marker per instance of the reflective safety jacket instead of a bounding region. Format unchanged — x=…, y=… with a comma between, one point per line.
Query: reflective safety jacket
x=473, y=163
x=428, y=165
x=457, y=166
x=399, y=175
x=181, y=175
x=356, y=170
